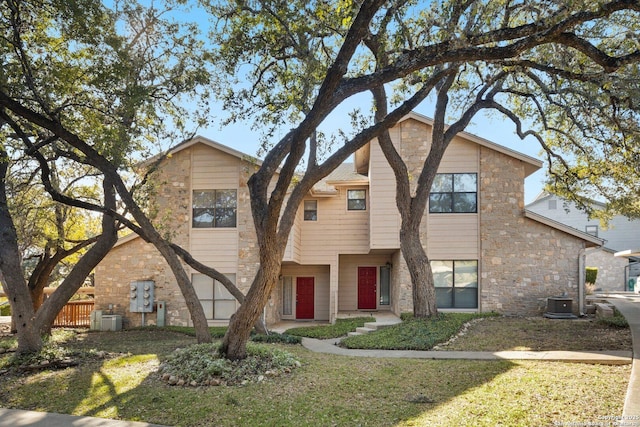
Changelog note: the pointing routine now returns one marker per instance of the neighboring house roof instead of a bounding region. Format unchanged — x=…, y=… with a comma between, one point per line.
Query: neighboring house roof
x=588, y=238
x=345, y=174
x=544, y=195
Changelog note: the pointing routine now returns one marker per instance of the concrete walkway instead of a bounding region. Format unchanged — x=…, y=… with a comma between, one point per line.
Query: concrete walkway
x=19, y=418
x=594, y=357
x=628, y=304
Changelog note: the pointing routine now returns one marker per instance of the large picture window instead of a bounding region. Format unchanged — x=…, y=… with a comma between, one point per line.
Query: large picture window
x=454, y=193
x=214, y=208
x=216, y=300
x=456, y=283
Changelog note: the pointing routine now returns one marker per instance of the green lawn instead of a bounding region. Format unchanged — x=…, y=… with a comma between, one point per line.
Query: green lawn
x=325, y=390
x=413, y=334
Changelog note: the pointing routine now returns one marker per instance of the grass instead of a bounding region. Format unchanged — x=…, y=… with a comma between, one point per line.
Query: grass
x=541, y=334
x=341, y=328
x=325, y=390
x=413, y=334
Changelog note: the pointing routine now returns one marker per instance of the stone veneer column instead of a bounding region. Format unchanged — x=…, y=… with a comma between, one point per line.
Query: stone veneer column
x=248, y=255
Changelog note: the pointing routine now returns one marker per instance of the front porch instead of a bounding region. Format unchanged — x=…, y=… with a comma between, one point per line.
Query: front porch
x=380, y=317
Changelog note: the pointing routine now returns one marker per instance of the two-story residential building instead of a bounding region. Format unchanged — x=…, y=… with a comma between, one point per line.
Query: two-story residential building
x=620, y=234
x=487, y=252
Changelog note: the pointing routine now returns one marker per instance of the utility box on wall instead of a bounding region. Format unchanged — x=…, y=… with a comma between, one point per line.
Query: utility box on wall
x=141, y=296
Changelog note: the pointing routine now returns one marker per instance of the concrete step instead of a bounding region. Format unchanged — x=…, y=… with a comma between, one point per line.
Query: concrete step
x=354, y=334
x=365, y=330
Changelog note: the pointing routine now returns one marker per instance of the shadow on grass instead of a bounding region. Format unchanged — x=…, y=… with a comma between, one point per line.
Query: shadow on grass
x=326, y=390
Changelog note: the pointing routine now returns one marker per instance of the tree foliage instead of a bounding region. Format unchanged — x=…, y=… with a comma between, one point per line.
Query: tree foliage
x=90, y=89
x=542, y=65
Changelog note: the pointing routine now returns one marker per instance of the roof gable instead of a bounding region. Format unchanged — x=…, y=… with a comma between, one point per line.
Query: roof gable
x=198, y=139
x=531, y=164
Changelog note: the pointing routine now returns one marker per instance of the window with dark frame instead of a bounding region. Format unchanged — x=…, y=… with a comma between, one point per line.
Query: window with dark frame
x=454, y=193
x=456, y=283
x=357, y=200
x=214, y=208
x=592, y=229
x=310, y=210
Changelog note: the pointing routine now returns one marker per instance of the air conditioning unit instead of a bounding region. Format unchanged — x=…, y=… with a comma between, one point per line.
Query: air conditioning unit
x=559, y=308
x=111, y=322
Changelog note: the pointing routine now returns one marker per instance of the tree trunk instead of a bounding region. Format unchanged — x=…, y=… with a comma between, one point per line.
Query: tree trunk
x=422, y=285
x=48, y=311
x=234, y=344
x=15, y=285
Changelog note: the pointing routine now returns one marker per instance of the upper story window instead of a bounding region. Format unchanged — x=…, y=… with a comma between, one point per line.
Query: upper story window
x=310, y=210
x=214, y=208
x=454, y=193
x=357, y=200
x=592, y=229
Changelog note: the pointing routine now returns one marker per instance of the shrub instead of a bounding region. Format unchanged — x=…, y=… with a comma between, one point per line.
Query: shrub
x=274, y=337
x=591, y=275
x=201, y=364
x=5, y=307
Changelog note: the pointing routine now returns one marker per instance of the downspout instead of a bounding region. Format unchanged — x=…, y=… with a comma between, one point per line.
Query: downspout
x=581, y=279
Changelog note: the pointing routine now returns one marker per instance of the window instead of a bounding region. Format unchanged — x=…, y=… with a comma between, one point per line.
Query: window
x=456, y=283
x=214, y=208
x=553, y=204
x=356, y=200
x=385, y=284
x=592, y=229
x=287, y=296
x=216, y=300
x=310, y=210
x=454, y=193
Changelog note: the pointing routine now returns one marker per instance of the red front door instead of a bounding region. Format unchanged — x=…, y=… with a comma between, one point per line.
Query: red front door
x=304, y=297
x=367, y=283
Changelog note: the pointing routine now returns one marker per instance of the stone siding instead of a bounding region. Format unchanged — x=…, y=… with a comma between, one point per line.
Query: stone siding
x=522, y=261
x=611, y=269
x=137, y=260
x=132, y=261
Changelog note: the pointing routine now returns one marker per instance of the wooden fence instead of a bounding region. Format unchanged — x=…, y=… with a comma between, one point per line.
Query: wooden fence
x=76, y=314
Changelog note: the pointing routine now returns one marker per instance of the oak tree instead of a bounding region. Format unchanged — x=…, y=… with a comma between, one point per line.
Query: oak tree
x=532, y=62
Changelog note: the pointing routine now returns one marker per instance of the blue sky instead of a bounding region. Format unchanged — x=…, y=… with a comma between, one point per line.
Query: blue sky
x=242, y=138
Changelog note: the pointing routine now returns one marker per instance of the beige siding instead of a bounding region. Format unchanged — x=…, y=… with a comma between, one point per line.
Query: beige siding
x=461, y=156
x=213, y=169
x=321, y=275
x=216, y=247
x=385, y=219
x=452, y=236
x=337, y=230
x=348, y=278
x=294, y=243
